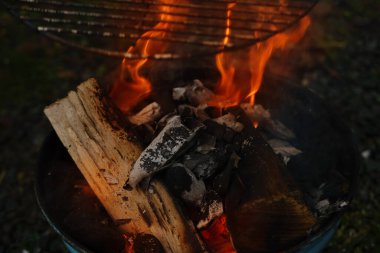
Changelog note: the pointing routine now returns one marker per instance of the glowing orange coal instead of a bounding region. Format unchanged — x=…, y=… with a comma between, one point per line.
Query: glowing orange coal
x=132, y=87
x=217, y=236
x=242, y=72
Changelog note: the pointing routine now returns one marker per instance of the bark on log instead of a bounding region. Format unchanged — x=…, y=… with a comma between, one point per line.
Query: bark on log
x=104, y=153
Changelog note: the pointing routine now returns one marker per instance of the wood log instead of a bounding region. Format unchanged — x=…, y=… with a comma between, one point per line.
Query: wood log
x=104, y=153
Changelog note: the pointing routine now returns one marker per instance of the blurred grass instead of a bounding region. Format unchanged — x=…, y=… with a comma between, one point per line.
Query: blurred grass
x=339, y=59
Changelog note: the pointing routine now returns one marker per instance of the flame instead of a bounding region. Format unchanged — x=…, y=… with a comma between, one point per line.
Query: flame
x=217, y=236
x=242, y=73
x=132, y=87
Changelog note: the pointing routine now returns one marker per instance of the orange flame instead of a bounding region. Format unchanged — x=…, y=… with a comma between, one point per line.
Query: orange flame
x=128, y=93
x=242, y=74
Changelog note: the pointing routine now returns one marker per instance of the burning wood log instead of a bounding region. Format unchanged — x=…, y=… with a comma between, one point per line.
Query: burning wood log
x=104, y=153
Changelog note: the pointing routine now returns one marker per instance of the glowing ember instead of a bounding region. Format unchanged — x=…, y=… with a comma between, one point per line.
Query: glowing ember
x=128, y=248
x=217, y=236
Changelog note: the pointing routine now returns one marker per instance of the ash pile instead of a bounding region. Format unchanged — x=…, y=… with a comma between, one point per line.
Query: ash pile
x=229, y=164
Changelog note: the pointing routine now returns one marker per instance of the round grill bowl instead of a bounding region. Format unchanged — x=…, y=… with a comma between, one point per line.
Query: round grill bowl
x=87, y=228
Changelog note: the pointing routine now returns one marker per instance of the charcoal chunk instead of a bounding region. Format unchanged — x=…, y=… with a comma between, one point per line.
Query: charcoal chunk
x=183, y=183
x=206, y=143
x=214, y=128
x=221, y=181
x=174, y=136
x=205, y=165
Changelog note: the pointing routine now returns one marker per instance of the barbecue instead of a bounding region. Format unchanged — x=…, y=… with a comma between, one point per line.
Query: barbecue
x=194, y=148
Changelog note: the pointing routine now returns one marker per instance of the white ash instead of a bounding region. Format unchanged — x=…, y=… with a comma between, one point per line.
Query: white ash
x=197, y=189
x=195, y=93
x=323, y=205
x=326, y=208
x=167, y=143
x=342, y=203
x=284, y=148
x=229, y=120
x=179, y=93
x=214, y=210
x=147, y=115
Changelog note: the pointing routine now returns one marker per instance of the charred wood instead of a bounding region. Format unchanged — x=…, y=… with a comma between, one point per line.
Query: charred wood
x=265, y=211
x=162, y=149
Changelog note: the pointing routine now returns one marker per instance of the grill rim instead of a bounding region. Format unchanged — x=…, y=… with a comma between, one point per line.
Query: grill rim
x=218, y=48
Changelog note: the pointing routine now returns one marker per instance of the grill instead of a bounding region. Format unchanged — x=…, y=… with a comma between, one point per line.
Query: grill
x=187, y=28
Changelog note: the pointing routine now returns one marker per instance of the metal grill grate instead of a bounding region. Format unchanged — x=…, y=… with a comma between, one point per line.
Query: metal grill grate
x=187, y=28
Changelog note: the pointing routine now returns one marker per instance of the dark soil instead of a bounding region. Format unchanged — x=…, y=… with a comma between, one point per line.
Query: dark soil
x=338, y=59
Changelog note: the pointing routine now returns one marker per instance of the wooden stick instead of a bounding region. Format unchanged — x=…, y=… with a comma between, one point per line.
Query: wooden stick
x=104, y=153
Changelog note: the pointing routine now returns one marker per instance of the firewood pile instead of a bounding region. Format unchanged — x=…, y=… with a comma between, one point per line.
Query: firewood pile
x=178, y=176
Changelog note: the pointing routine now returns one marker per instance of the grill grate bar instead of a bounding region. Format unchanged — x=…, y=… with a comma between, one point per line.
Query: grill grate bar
x=300, y=4
x=121, y=6
x=113, y=17
x=133, y=37
x=141, y=11
x=101, y=25
x=50, y=22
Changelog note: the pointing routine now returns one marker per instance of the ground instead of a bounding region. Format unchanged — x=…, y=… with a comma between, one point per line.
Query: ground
x=339, y=61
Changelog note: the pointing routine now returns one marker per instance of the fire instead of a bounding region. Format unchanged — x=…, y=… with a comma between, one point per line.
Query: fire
x=217, y=236
x=132, y=87
x=242, y=73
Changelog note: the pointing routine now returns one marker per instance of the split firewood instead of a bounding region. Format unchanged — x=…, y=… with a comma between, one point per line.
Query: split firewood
x=162, y=149
x=88, y=127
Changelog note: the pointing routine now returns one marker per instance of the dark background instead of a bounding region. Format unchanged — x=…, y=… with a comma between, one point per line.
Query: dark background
x=339, y=59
